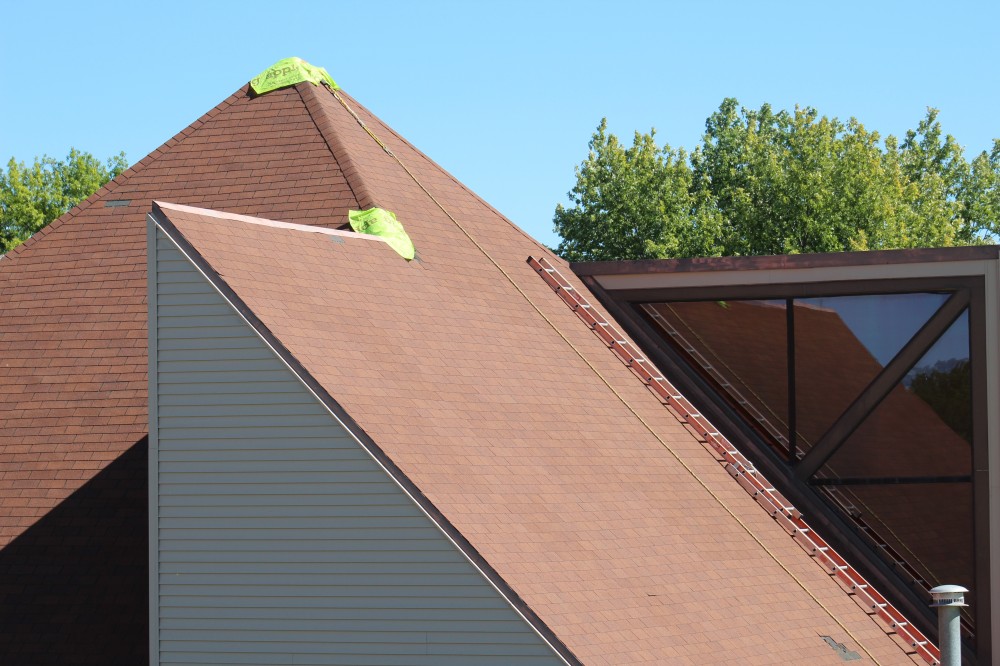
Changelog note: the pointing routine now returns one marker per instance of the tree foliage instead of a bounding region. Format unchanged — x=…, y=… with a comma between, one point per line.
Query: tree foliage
x=32, y=196
x=766, y=182
x=948, y=391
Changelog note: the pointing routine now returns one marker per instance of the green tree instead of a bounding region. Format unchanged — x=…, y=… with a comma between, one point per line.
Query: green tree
x=766, y=182
x=32, y=196
x=637, y=202
x=980, y=194
x=948, y=391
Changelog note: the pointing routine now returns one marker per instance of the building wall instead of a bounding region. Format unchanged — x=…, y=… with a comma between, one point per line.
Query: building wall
x=275, y=537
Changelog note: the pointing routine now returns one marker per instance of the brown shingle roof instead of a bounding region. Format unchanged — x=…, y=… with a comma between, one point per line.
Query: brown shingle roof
x=73, y=373
x=513, y=439
x=442, y=362
x=73, y=330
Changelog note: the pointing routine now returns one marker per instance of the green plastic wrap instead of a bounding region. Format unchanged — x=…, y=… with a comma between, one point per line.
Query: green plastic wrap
x=383, y=223
x=288, y=72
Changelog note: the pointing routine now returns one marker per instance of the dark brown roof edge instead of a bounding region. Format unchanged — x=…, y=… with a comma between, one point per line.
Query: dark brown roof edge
x=366, y=441
x=787, y=261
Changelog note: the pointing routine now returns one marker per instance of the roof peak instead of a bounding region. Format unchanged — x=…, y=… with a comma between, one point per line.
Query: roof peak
x=288, y=72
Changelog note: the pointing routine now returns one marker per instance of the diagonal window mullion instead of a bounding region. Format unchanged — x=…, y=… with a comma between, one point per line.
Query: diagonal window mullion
x=882, y=385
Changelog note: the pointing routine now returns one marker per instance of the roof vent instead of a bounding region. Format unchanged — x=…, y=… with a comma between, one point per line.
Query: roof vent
x=949, y=600
x=288, y=72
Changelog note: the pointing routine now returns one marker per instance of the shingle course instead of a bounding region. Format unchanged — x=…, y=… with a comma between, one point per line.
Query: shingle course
x=73, y=331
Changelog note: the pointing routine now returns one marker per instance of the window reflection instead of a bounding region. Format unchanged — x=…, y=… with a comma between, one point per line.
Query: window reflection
x=904, y=476
x=842, y=343
x=741, y=347
x=882, y=323
x=921, y=430
x=927, y=527
x=942, y=379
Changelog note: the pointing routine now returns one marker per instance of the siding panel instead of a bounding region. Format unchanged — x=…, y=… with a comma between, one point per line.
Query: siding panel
x=278, y=539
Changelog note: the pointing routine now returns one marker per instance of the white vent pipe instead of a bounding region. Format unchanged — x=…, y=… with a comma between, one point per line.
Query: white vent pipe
x=949, y=600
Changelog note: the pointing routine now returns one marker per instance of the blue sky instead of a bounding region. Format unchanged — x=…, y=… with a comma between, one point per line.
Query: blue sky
x=504, y=95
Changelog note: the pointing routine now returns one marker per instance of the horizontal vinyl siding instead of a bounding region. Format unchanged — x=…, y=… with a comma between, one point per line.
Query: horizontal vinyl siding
x=279, y=540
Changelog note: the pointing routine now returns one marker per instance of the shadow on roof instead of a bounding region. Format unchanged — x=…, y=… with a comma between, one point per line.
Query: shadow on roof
x=73, y=587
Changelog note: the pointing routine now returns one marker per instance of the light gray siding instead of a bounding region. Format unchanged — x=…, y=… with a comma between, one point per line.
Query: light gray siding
x=277, y=539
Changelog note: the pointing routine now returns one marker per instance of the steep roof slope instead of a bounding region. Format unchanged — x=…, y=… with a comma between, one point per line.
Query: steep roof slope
x=73, y=370
x=451, y=369
x=449, y=363
x=73, y=330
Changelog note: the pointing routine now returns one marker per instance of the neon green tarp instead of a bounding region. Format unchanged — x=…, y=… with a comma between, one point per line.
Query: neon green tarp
x=288, y=72
x=383, y=223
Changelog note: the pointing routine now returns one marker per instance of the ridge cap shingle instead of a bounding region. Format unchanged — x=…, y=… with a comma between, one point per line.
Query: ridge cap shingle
x=364, y=186
x=352, y=173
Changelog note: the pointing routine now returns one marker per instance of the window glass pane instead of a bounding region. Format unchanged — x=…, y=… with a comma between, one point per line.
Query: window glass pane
x=904, y=476
x=942, y=379
x=926, y=526
x=924, y=426
x=922, y=429
x=740, y=347
x=882, y=323
x=842, y=343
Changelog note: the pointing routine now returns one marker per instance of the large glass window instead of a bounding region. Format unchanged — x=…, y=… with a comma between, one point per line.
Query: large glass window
x=870, y=394
x=750, y=369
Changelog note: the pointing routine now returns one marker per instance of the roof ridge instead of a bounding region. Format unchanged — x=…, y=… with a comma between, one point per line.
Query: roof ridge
x=363, y=194
x=451, y=176
x=354, y=173
x=123, y=177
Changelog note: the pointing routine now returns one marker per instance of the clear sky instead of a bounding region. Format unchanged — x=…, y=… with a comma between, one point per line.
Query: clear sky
x=505, y=95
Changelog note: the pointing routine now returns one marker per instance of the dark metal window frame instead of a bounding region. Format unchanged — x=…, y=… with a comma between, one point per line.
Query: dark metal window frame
x=967, y=294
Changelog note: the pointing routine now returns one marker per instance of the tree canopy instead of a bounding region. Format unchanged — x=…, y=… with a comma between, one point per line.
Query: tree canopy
x=32, y=196
x=766, y=182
